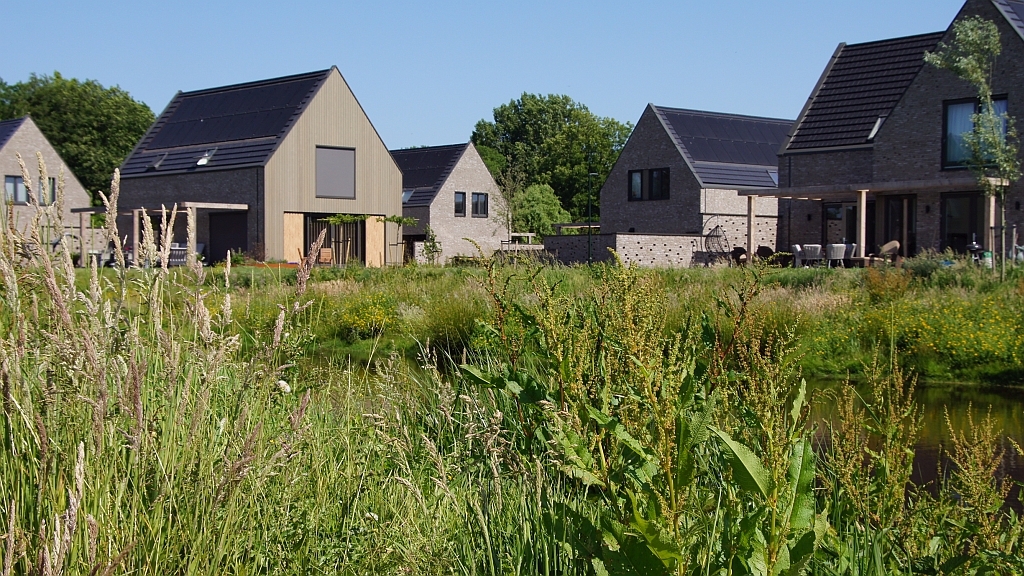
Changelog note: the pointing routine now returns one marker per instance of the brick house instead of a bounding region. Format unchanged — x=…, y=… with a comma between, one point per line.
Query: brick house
x=450, y=189
x=677, y=182
x=24, y=137
x=263, y=163
x=876, y=153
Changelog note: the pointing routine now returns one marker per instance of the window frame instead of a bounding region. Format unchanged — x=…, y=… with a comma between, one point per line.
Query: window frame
x=943, y=163
x=629, y=186
x=486, y=210
x=13, y=196
x=458, y=213
x=665, y=180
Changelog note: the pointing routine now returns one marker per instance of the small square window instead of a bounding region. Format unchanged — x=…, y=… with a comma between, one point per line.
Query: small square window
x=659, y=184
x=406, y=194
x=479, y=205
x=636, y=184
x=460, y=203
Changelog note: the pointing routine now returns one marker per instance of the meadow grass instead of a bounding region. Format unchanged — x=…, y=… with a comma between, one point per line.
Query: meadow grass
x=493, y=420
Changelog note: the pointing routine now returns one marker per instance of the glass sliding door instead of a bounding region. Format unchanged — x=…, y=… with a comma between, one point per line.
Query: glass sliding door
x=962, y=220
x=901, y=222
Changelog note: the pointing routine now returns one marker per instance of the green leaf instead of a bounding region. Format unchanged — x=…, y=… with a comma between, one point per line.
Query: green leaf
x=801, y=486
x=747, y=469
x=801, y=553
x=798, y=406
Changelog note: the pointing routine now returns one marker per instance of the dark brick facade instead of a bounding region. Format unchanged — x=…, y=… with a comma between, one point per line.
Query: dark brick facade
x=907, y=147
x=243, y=186
x=650, y=146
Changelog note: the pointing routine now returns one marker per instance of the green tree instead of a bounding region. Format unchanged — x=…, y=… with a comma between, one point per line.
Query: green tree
x=536, y=209
x=92, y=128
x=994, y=149
x=554, y=141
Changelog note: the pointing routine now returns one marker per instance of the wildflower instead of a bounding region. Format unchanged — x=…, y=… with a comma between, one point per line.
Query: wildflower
x=284, y=387
x=372, y=516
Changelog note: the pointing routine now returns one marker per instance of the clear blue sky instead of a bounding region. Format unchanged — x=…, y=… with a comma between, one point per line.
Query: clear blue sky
x=427, y=71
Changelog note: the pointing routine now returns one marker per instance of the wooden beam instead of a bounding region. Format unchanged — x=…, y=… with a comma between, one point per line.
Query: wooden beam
x=862, y=226
x=751, y=214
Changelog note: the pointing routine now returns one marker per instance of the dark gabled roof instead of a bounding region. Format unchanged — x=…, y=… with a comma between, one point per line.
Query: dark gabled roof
x=858, y=90
x=236, y=126
x=8, y=128
x=424, y=170
x=1013, y=12
x=727, y=150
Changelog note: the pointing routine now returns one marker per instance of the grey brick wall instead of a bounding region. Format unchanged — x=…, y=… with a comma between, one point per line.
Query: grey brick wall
x=823, y=168
x=469, y=175
x=650, y=146
x=231, y=186
x=27, y=141
x=907, y=147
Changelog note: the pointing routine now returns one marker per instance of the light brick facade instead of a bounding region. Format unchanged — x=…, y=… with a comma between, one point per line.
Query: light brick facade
x=469, y=175
x=27, y=140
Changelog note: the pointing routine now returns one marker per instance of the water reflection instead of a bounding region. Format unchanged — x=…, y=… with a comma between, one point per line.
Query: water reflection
x=1006, y=404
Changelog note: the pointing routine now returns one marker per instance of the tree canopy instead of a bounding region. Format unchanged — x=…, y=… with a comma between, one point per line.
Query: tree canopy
x=536, y=209
x=553, y=140
x=92, y=128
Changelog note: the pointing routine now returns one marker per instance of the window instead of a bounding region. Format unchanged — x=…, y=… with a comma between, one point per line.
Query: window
x=14, y=190
x=636, y=185
x=962, y=220
x=833, y=211
x=957, y=122
x=460, y=203
x=406, y=194
x=659, y=184
x=335, y=173
x=479, y=205
x=49, y=195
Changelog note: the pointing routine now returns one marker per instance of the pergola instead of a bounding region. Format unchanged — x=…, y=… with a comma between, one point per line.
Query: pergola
x=135, y=213
x=843, y=192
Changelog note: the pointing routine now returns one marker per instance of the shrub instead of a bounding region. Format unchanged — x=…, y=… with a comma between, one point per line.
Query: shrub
x=367, y=315
x=886, y=284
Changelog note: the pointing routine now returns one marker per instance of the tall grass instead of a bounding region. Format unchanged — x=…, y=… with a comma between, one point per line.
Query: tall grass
x=163, y=420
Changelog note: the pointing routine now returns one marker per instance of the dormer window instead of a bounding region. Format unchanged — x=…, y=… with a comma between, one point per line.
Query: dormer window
x=406, y=194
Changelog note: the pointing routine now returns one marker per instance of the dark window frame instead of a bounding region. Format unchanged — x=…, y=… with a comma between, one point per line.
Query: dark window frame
x=629, y=186
x=486, y=210
x=13, y=199
x=975, y=216
x=355, y=178
x=944, y=165
x=460, y=213
x=665, y=179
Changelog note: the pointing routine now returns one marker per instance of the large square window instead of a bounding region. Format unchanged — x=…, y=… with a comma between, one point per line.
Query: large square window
x=958, y=121
x=659, y=184
x=335, y=173
x=636, y=184
x=479, y=205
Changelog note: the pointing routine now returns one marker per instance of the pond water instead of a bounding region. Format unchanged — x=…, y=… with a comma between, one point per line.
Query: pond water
x=960, y=400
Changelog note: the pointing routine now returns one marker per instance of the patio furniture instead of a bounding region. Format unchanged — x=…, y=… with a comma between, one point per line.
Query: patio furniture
x=326, y=257
x=835, y=253
x=764, y=252
x=888, y=253
x=851, y=253
x=798, y=255
x=738, y=255
x=812, y=254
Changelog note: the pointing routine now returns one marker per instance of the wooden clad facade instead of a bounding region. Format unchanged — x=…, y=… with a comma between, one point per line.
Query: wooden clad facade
x=288, y=152
x=334, y=118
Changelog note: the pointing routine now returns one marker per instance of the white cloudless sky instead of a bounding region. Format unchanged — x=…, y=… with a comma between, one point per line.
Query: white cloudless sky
x=426, y=72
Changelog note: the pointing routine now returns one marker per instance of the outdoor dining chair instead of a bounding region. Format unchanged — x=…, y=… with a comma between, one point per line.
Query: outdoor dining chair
x=798, y=255
x=812, y=253
x=835, y=253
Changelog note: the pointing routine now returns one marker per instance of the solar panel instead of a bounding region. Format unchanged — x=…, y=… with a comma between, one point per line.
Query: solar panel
x=731, y=139
x=234, y=114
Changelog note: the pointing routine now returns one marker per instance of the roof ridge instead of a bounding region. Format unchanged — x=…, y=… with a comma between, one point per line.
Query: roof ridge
x=723, y=114
x=427, y=148
x=256, y=83
x=897, y=39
